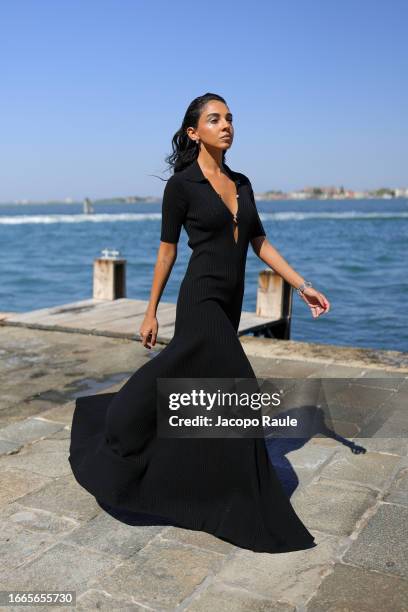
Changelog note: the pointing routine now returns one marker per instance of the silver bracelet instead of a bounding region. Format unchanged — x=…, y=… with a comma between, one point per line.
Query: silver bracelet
x=303, y=286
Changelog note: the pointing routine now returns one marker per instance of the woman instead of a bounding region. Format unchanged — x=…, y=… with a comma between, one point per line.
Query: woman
x=223, y=486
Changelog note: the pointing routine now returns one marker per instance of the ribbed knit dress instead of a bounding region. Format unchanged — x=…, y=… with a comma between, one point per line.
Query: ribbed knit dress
x=223, y=486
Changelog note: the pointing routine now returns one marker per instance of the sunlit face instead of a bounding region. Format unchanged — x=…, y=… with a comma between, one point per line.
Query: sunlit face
x=214, y=126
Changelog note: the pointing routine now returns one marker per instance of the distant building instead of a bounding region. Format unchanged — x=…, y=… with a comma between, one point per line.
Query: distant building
x=299, y=195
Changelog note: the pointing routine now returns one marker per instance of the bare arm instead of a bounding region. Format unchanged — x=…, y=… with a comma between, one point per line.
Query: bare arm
x=166, y=256
x=317, y=302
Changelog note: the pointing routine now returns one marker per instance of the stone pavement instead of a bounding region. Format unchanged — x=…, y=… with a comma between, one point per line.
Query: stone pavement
x=55, y=536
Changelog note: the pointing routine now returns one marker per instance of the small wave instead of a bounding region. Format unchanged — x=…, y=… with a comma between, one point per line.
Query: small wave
x=137, y=217
x=95, y=218
x=351, y=214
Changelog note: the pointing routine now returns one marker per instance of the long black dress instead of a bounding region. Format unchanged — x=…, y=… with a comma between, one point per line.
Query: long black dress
x=223, y=486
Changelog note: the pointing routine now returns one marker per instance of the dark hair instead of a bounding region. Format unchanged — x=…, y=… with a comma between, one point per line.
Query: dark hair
x=185, y=151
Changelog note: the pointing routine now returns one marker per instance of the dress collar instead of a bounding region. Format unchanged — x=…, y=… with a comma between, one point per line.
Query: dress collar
x=194, y=173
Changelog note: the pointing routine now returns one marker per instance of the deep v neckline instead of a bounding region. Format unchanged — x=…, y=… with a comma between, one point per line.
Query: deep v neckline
x=234, y=215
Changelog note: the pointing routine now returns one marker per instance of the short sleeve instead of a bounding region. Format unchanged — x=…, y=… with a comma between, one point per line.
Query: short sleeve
x=174, y=208
x=257, y=229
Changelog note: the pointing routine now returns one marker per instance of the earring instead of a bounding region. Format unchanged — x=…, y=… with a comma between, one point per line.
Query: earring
x=198, y=142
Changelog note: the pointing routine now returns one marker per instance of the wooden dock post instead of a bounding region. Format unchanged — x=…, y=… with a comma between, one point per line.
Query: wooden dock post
x=109, y=276
x=274, y=301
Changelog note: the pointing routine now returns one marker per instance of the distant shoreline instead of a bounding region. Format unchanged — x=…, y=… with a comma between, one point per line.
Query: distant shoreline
x=147, y=200
x=153, y=200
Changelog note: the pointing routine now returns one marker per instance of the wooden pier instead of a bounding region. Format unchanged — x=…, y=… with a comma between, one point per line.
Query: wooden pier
x=110, y=313
x=117, y=318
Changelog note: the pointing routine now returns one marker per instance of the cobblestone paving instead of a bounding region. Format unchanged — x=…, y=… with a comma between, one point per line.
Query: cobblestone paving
x=53, y=535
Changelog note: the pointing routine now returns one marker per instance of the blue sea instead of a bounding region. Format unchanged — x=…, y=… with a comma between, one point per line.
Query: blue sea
x=355, y=252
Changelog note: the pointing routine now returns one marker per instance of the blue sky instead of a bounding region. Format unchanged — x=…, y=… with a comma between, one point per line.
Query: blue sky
x=93, y=91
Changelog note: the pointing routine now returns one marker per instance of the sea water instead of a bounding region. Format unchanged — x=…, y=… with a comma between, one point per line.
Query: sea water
x=353, y=251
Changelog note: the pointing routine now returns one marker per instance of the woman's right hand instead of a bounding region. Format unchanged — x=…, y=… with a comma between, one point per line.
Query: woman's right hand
x=148, y=330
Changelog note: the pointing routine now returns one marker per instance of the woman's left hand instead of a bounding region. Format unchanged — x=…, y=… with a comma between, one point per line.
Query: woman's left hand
x=317, y=302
